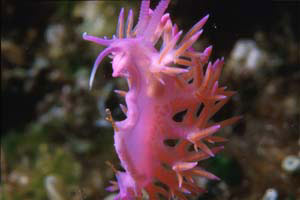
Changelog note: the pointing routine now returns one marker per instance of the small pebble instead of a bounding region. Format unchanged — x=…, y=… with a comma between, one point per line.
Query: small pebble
x=270, y=194
x=291, y=164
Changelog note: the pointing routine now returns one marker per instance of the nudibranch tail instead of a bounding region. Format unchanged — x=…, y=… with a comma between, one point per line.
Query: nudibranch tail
x=174, y=91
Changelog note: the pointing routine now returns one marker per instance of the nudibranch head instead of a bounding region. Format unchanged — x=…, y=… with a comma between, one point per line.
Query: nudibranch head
x=141, y=40
x=162, y=83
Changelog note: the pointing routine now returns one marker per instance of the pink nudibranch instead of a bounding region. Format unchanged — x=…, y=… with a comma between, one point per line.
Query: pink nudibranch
x=162, y=84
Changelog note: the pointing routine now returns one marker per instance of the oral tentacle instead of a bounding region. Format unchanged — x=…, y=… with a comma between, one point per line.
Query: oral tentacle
x=100, y=57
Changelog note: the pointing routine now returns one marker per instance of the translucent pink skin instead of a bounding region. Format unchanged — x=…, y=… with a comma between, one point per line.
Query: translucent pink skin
x=157, y=91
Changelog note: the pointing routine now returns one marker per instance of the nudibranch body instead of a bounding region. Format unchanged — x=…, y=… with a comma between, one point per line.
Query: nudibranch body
x=173, y=94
